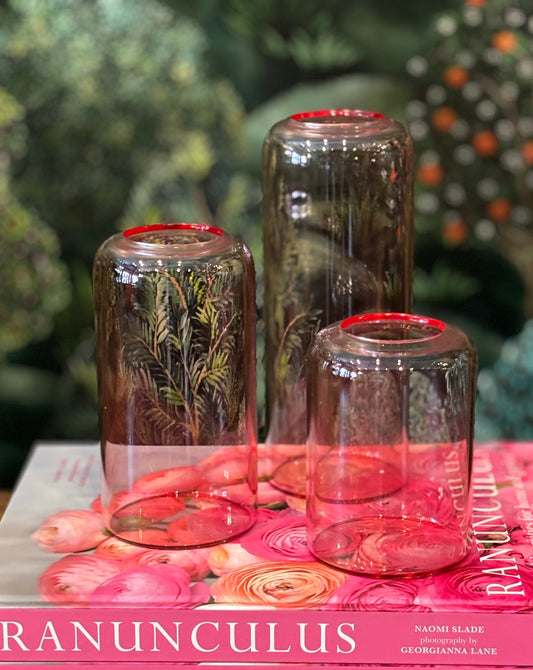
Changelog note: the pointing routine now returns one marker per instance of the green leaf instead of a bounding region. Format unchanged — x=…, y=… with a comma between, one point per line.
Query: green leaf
x=444, y=283
x=171, y=394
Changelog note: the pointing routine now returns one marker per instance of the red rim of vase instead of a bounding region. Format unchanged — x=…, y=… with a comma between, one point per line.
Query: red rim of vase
x=348, y=113
x=204, y=227
x=411, y=319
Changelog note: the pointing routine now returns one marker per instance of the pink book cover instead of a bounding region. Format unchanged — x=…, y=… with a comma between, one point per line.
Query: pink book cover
x=71, y=593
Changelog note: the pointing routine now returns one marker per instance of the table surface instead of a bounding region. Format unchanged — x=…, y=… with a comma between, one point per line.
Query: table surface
x=4, y=499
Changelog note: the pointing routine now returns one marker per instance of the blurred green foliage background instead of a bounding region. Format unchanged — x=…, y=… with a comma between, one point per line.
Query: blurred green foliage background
x=122, y=112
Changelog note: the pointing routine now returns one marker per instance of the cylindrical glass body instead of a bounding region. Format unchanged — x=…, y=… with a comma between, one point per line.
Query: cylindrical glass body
x=338, y=241
x=389, y=445
x=175, y=337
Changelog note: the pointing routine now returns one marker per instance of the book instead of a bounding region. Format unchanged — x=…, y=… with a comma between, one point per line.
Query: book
x=72, y=594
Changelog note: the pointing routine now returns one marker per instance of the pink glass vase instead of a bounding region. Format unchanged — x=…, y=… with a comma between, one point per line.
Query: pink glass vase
x=338, y=240
x=175, y=335
x=391, y=414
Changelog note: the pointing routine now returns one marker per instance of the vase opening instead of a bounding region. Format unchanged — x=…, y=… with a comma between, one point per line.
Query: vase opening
x=392, y=327
x=173, y=233
x=338, y=116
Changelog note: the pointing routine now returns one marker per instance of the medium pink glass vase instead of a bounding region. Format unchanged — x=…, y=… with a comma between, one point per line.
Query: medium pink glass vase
x=338, y=240
x=175, y=335
x=391, y=414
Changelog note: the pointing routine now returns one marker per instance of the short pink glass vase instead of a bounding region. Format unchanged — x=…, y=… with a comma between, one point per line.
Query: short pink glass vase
x=389, y=446
x=175, y=336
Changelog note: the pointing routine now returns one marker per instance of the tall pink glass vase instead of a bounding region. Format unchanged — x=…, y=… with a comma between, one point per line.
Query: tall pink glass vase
x=175, y=335
x=391, y=415
x=338, y=240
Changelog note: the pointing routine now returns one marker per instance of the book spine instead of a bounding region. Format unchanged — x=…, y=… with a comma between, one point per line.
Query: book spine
x=110, y=635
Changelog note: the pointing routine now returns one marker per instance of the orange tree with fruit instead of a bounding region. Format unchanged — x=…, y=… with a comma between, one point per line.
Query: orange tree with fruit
x=472, y=122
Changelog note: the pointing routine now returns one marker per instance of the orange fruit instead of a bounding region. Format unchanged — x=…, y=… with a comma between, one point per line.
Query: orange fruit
x=485, y=143
x=443, y=119
x=505, y=41
x=430, y=174
x=499, y=209
x=455, y=76
x=454, y=231
x=527, y=151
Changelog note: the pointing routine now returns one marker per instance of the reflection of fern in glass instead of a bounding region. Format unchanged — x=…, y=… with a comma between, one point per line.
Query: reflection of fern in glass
x=371, y=412
x=330, y=269
x=337, y=192
x=292, y=327
x=182, y=359
x=428, y=420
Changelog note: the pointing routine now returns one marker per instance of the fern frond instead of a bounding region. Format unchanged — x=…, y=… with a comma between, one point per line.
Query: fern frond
x=160, y=321
x=175, y=397
x=181, y=358
x=197, y=370
x=217, y=378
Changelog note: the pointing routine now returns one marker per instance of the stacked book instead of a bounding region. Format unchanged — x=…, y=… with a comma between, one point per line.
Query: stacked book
x=70, y=593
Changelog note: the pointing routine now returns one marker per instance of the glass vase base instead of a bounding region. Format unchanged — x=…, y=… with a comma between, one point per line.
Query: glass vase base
x=188, y=521
x=291, y=476
x=342, y=477
x=390, y=547
x=346, y=475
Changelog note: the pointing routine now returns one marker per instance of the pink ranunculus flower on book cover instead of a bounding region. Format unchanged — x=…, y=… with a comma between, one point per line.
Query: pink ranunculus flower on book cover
x=186, y=478
x=205, y=522
x=508, y=588
x=522, y=549
x=230, y=464
x=72, y=579
x=281, y=539
x=289, y=585
x=193, y=561
x=154, y=507
x=116, y=548
x=418, y=496
x=161, y=585
x=70, y=531
x=361, y=593
x=225, y=558
x=269, y=495
x=266, y=493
